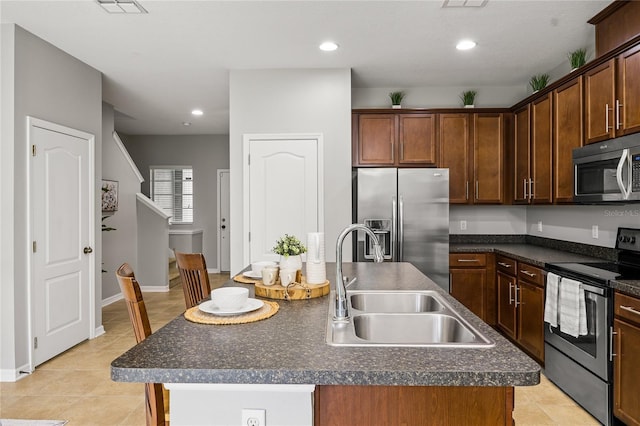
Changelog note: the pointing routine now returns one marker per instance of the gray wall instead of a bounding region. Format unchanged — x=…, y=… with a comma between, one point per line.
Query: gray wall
x=51, y=85
x=121, y=245
x=294, y=101
x=207, y=154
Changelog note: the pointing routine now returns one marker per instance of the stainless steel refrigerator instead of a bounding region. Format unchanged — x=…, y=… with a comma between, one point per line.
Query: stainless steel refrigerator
x=408, y=209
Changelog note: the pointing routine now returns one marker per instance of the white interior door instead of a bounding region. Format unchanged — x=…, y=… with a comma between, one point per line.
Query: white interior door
x=285, y=192
x=61, y=199
x=224, y=247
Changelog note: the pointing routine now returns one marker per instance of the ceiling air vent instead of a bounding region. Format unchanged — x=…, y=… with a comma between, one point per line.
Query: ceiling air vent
x=121, y=6
x=465, y=3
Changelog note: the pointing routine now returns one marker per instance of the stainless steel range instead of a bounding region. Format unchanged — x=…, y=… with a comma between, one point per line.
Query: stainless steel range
x=582, y=366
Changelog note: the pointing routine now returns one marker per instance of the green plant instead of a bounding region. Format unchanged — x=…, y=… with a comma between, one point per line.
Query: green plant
x=577, y=58
x=468, y=97
x=539, y=81
x=396, y=97
x=289, y=245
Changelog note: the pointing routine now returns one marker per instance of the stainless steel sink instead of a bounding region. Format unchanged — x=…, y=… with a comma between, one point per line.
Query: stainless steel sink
x=389, y=301
x=402, y=318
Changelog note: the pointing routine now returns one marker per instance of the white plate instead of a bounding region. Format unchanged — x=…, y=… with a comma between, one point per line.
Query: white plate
x=211, y=308
x=251, y=274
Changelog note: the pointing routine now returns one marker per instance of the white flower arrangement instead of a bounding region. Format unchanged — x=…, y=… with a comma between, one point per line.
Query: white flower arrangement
x=289, y=245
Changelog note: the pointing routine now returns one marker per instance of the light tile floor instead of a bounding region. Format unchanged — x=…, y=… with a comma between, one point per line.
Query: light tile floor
x=76, y=385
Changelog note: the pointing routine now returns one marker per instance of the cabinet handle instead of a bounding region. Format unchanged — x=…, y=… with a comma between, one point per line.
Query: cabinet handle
x=506, y=265
x=393, y=156
x=515, y=299
x=467, y=260
x=618, y=122
x=524, y=188
x=466, y=191
x=510, y=298
x=629, y=309
x=530, y=188
x=477, y=190
x=611, y=334
x=606, y=118
x=401, y=150
x=527, y=273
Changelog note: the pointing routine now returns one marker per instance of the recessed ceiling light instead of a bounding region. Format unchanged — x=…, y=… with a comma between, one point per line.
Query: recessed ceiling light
x=328, y=46
x=186, y=123
x=466, y=44
x=197, y=112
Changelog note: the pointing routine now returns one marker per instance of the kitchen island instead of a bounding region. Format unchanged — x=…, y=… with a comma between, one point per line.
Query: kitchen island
x=350, y=385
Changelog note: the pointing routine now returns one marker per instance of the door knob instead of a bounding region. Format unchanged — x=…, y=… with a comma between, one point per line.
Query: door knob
x=88, y=250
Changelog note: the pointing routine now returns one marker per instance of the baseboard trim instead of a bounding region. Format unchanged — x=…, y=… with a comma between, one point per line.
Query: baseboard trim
x=9, y=375
x=112, y=299
x=213, y=270
x=154, y=288
x=99, y=331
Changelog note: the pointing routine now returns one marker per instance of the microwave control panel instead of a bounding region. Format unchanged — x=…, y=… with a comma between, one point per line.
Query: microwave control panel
x=635, y=172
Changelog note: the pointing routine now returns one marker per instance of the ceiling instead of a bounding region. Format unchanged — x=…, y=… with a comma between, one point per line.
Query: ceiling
x=158, y=66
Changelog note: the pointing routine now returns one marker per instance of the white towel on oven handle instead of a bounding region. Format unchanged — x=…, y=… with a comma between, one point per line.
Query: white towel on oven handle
x=551, y=301
x=572, y=310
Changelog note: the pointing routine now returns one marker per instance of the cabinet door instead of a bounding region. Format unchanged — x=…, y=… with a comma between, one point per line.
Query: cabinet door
x=531, y=319
x=417, y=139
x=488, y=158
x=469, y=286
x=599, y=84
x=521, y=156
x=567, y=135
x=628, y=113
x=454, y=154
x=377, y=139
x=506, y=308
x=626, y=371
x=541, y=149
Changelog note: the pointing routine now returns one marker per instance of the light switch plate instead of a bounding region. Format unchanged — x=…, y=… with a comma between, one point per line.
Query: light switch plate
x=594, y=231
x=463, y=225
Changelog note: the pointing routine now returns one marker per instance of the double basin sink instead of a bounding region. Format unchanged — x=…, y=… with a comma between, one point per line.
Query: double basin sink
x=402, y=318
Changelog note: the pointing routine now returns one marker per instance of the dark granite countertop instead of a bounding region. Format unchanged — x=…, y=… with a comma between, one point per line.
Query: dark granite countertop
x=290, y=348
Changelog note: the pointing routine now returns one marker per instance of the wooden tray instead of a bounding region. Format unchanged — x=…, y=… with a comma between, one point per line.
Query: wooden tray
x=294, y=291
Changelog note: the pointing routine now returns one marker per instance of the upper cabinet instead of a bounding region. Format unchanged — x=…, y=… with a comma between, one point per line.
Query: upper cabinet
x=453, y=134
x=612, y=96
x=394, y=139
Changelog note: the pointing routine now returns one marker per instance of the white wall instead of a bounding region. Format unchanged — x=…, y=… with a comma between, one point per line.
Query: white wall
x=54, y=86
x=207, y=154
x=294, y=101
x=121, y=245
x=499, y=220
x=439, y=97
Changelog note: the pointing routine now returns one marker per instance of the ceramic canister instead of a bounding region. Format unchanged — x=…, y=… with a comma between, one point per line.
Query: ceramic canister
x=315, y=268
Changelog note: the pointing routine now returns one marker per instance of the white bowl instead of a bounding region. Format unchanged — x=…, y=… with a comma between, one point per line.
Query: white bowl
x=257, y=267
x=229, y=298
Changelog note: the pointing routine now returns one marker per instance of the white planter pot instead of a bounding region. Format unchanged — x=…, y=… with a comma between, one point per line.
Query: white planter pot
x=396, y=106
x=291, y=262
x=469, y=106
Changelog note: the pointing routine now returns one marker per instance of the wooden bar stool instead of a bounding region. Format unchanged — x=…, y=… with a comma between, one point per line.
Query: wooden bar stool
x=194, y=277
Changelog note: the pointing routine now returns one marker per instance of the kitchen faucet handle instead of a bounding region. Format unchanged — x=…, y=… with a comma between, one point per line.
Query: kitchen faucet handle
x=347, y=283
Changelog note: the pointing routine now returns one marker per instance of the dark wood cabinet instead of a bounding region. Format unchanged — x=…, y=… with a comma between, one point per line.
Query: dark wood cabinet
x=471, y=279
x=522, y=147
x=567, y=134
x=393, y=139
x=521, y=304
x=628, y=106
x=453, y=135
x=600, y=93
x=626, y=369
x=472, y=148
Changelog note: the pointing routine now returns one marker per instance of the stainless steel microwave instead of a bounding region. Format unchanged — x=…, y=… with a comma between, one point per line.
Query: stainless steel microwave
x=608, y=172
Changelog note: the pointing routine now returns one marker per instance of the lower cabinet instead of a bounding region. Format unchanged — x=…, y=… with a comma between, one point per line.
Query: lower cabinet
x=520, y=289
x=472, y=283
x=626, y=369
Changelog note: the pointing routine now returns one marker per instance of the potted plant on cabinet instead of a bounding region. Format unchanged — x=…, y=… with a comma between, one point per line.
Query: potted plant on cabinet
x=289, y=248
x=539, y=82
x=468, y=98
x=396, y=99
x=577, y=58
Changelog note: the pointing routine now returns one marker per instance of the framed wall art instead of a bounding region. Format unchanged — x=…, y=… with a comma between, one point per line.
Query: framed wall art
x=109, y=195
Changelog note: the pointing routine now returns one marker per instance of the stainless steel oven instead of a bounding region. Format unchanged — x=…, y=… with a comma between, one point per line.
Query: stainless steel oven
x=582, y=366
x=608, y=171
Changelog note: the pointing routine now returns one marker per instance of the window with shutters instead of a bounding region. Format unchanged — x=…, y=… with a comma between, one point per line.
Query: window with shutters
x=172, y=190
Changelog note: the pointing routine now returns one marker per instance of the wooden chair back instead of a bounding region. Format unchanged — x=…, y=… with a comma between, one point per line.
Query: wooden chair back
x=153, y=392
x=194, y=276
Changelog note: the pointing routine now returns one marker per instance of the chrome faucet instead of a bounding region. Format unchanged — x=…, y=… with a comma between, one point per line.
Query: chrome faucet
x=342, y=307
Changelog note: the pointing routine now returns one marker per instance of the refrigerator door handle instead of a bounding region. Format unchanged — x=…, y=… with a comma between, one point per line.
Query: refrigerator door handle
x=394, y=229
x=400, y=229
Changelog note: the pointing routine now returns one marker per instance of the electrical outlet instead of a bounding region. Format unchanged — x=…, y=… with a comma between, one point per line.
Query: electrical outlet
x=463, y=225
x=539, y=226
x=594, y=231
x=254, y=417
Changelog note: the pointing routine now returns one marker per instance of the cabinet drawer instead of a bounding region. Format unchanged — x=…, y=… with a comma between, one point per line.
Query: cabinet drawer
x=627, y=307
x=531, y=274
x=467, y=260
x=506, y=265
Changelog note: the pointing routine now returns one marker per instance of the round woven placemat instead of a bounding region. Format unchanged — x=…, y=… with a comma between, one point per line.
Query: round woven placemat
x=268, y=310
x=245, y=280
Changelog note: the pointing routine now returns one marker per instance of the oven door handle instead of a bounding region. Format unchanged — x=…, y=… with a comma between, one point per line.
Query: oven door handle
x=586, y=287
